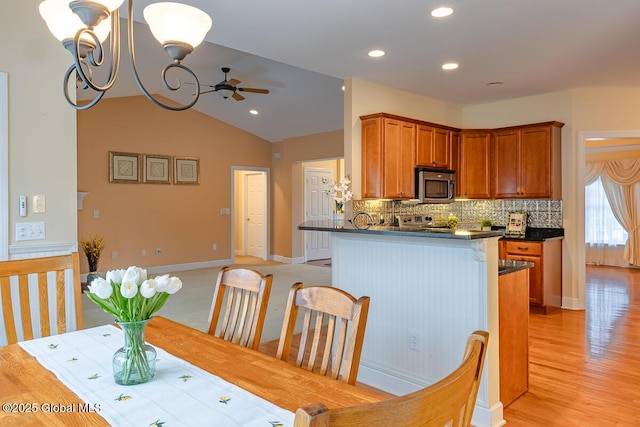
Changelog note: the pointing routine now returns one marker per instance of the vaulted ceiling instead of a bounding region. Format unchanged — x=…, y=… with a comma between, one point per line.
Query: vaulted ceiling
x=302, y=51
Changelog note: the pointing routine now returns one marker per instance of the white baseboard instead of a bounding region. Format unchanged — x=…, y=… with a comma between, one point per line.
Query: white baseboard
x=572, y=304
x=287, y=260
x=161, y=269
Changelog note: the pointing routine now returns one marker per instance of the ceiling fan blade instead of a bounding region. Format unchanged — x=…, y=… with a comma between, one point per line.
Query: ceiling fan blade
x=233, y=82
x=202, y=84
x=237, y=96
x=253, y=90
x=207, y=91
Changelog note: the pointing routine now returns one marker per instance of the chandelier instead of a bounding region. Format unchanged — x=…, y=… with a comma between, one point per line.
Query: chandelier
x=83, y=25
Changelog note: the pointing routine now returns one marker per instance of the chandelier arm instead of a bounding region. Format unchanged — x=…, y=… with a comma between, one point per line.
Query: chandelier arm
x=176, y=64
x=65, y=89
x=96, y=55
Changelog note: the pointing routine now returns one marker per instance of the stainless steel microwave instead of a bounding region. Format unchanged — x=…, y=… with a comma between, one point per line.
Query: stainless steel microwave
x=435, y=185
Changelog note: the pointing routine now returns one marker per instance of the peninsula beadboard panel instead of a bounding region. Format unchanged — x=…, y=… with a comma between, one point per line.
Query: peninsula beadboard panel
x=435, y=290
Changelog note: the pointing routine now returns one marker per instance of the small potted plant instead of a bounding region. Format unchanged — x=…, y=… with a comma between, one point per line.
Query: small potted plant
x=92, y=248
x=452, y=221
x=486, y=224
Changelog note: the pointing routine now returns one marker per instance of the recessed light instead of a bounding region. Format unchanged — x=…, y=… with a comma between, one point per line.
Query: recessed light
x=495, y=84
x=450, y=66
x=441, y=12
x=254, y=112
x=377, y=53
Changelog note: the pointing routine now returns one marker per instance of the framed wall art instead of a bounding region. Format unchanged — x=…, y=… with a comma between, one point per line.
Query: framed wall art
x=516, y=224
x=186, y=170
x=157, y=169
x=124, y=167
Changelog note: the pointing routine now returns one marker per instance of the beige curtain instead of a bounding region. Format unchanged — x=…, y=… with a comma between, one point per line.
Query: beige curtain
x=621, y=182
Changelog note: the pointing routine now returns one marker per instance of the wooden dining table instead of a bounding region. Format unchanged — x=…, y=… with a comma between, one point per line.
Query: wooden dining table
x=27, y=389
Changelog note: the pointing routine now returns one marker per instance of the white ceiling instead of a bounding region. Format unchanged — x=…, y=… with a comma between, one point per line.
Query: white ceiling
x=533, y=46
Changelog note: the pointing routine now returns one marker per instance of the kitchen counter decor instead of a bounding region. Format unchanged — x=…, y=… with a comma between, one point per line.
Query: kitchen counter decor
x=132, y=298
x=340, y=194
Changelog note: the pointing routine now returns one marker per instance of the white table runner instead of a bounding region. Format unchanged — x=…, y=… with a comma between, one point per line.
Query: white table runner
x=180, y=395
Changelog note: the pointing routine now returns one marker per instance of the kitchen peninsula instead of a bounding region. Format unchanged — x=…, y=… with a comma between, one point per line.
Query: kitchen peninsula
x=429, y=289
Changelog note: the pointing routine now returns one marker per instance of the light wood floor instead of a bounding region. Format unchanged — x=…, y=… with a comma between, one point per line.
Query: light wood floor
x=584, y=365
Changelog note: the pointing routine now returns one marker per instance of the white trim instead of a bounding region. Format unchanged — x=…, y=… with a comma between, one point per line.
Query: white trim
x=41, y=250
x=288, y=260
x=160, y=269
x=583, y=136
x=4, y=167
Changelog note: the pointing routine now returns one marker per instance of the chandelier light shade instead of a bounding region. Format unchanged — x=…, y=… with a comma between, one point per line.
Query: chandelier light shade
x=175, y=22
x=64, y=24
x=83, y=25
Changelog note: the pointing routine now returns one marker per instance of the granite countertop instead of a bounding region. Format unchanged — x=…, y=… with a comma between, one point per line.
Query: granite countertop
x=506, y=266
x=536, y=234
x=433, y=232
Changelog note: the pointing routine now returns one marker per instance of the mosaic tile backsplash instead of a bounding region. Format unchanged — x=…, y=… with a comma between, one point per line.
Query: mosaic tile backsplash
x=540, y=213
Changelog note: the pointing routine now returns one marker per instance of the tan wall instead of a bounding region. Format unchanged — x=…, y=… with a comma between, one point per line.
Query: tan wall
x=184, y=221
x=285, y=171
x=42, y=138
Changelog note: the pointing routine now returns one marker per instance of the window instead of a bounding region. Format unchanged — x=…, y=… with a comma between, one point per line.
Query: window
x=600, y=224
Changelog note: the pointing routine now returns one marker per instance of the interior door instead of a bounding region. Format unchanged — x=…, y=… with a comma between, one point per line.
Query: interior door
x=256, y=212
x=317, y=207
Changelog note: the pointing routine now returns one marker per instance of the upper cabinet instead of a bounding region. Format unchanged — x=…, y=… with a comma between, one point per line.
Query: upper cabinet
x=474, y=172
x=519, y=162
x=526, y=162
x=388, y=157
x=434, y=147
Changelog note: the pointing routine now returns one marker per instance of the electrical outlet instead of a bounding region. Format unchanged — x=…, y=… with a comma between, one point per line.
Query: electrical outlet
x=143, y=252
x=114, y=254
x=214, y=247
x=414, y=341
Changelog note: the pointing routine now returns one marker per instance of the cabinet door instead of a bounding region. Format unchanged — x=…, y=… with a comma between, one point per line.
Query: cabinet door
x=424, y=145
x=505, y=161
x=398, y=159
x=372, y=158
x=536, y=290
x=475, y=151
x=441, y=144
x=535, y=162
x=433, y=147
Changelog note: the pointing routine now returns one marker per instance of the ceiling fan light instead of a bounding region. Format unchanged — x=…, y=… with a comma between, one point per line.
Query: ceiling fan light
x=64, y=24
x=175, y=22
x=225, y=93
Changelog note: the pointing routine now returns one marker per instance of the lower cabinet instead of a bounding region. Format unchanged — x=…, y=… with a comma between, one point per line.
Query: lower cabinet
x=513, y=318
x=545, y=278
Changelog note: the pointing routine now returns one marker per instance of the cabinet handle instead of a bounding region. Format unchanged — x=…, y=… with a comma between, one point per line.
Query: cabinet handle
x=522, y=249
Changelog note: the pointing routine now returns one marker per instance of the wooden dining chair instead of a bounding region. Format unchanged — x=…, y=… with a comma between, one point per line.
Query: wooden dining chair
x=47, y=275
x=332, y=330
x=449, y=402
x=245, y=294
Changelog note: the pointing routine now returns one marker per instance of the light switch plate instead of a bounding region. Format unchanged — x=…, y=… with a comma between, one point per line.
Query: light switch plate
x=30, y=231
x=39, y=204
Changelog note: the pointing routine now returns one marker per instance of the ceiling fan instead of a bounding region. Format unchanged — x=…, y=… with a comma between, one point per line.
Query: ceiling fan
x=229, y=88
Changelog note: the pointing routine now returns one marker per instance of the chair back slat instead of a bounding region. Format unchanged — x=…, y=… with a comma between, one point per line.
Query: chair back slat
x=241, y=318
x=43, y=298
x=33, y=275
x=25, y=307
x=448, y=402
x=337, y=334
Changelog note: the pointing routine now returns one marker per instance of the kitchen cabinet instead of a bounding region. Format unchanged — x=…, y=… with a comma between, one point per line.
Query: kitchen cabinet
x=388, y=157
x=513, y=320
x=474, y=166
x=433, y=147
x=526, y=162
x=545, y=277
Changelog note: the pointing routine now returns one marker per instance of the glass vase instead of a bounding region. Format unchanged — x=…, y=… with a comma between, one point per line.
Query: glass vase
x=135, y=363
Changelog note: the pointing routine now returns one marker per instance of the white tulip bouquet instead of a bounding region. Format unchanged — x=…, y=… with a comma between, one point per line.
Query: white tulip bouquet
x=129, y=296
x=132, y=298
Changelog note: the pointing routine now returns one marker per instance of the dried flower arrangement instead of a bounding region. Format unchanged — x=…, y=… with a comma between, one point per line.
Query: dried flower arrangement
x=93, y=247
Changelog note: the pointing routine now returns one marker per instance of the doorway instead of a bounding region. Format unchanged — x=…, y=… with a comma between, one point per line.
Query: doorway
x=250, y=212
x=317, y=207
